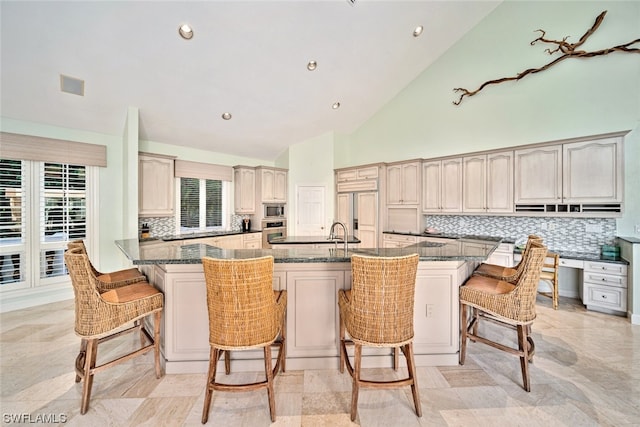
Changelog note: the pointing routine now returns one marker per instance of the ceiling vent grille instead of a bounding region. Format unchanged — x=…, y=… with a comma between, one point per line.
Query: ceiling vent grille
x=71, y=85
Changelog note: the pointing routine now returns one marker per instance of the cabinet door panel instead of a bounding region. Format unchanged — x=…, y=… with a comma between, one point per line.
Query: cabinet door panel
x=474, y=184
x=394, y=185
x=451, y=189
x=431, y=186
x=538, y=175
x=499, y=189
x=592, y=171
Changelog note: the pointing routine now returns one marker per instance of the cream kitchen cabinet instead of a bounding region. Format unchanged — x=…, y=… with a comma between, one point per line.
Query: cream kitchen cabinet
x=244, y=185
x=592, y=171
x=357, y=179
x=604, y=287
x=390, y=240
x=403, y=183
x=538, y=175
x=488, y=183
x=252, y=241
x=272, y=184
x=442, y=186
x=155, y=185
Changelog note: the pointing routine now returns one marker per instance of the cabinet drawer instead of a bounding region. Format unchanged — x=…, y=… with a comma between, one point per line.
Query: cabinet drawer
x=571, y=263
x=605, y=296
x=605, y=279
x=401, y=238
x=605, y=267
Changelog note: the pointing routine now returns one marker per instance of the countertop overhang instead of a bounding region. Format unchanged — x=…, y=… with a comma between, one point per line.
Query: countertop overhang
x=161, y=252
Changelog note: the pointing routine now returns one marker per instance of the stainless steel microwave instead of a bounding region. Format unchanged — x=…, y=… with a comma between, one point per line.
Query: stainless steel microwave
x=274, y=210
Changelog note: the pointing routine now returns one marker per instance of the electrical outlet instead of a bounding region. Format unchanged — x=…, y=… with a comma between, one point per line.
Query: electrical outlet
x=429, y=310
x=637, y=228
x=551, y=226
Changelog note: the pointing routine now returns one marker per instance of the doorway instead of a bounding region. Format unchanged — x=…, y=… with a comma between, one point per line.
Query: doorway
x=310, y=210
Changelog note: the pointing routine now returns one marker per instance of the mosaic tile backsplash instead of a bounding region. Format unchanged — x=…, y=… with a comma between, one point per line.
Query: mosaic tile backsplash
x=561, y=234
x=164, y=226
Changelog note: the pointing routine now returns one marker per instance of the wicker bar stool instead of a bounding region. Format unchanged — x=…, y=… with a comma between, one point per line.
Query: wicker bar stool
x=378, y=312
x=507, y=304
x=244, y=313
x=508, y=274
x=101, y=316
x=113, y=279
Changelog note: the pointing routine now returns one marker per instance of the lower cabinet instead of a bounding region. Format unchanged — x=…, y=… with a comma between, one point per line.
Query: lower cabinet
x=398, y=240
x=312, y=315
x=605, y=287
x=503, y=255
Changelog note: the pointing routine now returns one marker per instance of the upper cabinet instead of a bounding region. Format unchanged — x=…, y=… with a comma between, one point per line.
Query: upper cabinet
x=538, y=175
x=244, y=185
x=272, y=183
x=581, y=177
x=488, y=183
x=357, y=179
x=442, y=186
x=592, y=171
x=155, y=185
x=403, y=183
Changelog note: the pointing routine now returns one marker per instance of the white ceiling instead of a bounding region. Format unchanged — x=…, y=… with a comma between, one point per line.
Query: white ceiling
x=247, y=58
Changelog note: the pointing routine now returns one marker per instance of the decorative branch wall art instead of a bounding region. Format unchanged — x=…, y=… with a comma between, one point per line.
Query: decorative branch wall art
x=567, y=50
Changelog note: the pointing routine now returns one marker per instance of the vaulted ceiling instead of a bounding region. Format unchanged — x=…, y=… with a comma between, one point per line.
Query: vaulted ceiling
x=247, y=58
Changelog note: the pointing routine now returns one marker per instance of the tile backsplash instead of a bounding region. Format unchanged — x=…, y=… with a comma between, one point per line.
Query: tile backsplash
x=165, y=226
x=562, y=234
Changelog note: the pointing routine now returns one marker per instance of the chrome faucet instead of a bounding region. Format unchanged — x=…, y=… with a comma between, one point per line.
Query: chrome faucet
x=332, y=235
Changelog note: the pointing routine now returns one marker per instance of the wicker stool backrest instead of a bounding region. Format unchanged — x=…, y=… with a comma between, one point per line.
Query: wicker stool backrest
x=523, y=305
x=382, y=298
x=525, y=253
x=241, y=303
x=80, y=244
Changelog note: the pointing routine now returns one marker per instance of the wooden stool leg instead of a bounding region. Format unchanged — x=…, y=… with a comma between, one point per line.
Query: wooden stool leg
x=523, y=346
x=396, y=356
x=283, y=348
x=270, y=390
x=89, y=364
x=411, y=367
x=463, y=333
x=211, y=377
x=356, y=380
x=80, y=360
x=227, y=362
x=157, y=316
x=342, y=345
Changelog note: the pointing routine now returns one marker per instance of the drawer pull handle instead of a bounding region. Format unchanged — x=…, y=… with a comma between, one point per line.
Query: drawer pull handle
x=604, y=297
x=604, y=279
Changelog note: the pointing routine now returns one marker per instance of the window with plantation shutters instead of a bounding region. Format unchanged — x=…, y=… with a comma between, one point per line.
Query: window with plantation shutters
x=43, y=205
x=201, y=204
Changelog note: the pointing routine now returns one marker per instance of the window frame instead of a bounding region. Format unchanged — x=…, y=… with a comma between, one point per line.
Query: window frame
x=225, y=207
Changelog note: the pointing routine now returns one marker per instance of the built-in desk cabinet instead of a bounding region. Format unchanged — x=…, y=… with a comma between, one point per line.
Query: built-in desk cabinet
x=155, y=185
x=605, y=286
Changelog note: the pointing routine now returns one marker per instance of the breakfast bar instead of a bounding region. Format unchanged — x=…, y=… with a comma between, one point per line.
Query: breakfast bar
x=312, y=277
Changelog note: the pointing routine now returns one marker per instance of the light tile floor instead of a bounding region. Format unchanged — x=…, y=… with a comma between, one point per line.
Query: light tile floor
x=586, y=372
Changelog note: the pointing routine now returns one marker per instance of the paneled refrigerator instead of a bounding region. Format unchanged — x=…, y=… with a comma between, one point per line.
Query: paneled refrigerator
x=359, y=212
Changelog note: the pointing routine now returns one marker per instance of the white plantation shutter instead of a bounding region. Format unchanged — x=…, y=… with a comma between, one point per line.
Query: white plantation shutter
x=62, y=213
x=12, y=221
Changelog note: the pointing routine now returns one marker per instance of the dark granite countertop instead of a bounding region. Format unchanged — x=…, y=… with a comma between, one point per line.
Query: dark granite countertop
x=160, y=252
x=453, y=236
x=203, y=234
x=584, y=256
x=309, y=240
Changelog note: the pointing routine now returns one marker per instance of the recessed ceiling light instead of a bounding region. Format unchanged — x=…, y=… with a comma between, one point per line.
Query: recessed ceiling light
x=418, y=31
x=226, y=116
x=186, y=32
x=312, y=65
x=335, y=105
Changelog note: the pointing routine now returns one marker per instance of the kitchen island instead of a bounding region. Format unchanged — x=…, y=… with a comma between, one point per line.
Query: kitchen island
x=312, y=278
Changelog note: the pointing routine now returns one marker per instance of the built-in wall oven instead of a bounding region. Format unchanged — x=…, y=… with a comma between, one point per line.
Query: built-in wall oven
x=272, y=228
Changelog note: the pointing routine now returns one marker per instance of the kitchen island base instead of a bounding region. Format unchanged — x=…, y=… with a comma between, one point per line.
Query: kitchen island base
x=312, y=316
